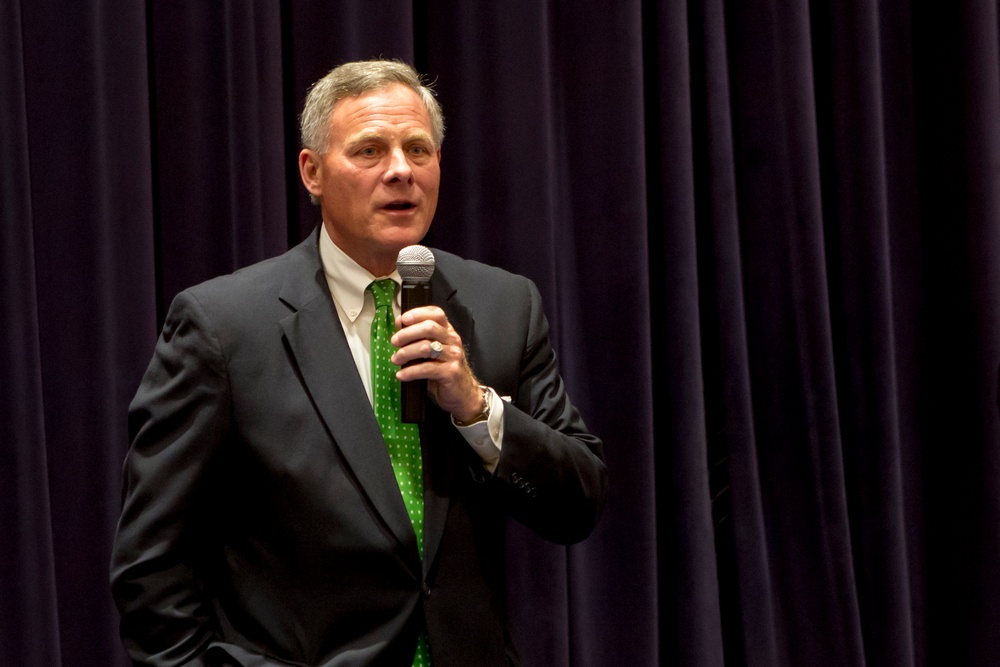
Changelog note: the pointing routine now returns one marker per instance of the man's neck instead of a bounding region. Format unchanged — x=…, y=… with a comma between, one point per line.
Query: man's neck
x=378, y=265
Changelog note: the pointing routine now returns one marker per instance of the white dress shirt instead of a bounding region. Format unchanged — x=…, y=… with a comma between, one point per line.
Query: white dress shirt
x=348, y=282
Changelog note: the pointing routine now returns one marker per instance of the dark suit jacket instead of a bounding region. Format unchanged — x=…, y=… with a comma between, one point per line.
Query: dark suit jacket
x=261, y=521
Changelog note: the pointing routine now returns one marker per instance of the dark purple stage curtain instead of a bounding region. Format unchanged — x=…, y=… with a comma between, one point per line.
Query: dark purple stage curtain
x=676, y=50
x=218, y=138
x=29, y=621
x=78, y=312
x=767, y=234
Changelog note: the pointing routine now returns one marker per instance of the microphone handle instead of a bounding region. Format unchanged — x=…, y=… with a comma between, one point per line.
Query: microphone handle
x=414, y=393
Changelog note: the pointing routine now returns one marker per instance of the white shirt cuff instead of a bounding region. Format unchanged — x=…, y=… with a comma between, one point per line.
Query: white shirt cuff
x=486, y=437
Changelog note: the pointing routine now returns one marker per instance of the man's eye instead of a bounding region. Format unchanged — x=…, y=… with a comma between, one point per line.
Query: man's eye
x=369, y=151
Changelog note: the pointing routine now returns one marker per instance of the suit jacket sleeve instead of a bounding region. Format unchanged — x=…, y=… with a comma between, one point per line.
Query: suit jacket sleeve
x=551, y=469
x=178, y=421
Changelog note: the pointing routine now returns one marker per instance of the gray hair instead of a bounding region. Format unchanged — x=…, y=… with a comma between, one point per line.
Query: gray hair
x=354, y=79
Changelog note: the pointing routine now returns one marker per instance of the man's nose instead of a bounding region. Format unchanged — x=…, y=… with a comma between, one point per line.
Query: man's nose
x=399, y=167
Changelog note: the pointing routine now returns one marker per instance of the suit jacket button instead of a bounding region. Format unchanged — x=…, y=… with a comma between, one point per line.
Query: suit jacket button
x=425, y=590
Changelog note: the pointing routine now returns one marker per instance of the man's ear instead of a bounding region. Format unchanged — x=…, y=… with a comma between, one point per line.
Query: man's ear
x=310, y=167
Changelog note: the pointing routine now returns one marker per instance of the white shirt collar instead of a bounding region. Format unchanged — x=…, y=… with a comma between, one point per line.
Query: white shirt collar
x=347, y=279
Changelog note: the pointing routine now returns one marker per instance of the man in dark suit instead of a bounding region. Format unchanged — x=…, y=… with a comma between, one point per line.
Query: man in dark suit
x=263, y=521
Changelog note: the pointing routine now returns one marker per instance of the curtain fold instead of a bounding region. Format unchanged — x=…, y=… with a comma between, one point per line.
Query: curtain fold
x=746, y=599
x=690, y=626
x=766, y=237
x=27, y=569
x=954, y=334
x=217, y=83
x=88, y=172
x=855, y=202
x=789, y=338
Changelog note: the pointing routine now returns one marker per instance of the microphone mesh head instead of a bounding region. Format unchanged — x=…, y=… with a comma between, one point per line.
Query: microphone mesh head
x=415, y=263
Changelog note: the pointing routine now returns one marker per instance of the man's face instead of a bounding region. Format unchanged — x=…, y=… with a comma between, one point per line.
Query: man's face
x=378, y=181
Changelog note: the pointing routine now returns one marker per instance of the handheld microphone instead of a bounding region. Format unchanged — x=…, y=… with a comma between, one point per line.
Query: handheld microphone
x=415, y=264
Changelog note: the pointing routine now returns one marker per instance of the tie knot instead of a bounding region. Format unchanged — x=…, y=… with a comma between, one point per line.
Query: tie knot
x=383, y=291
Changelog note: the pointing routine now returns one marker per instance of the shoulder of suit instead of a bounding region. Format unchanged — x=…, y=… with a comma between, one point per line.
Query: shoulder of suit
x=479, y=285
x=459, y=268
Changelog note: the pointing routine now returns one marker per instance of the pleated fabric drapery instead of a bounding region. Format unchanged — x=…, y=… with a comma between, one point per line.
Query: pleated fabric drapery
x=766, y=237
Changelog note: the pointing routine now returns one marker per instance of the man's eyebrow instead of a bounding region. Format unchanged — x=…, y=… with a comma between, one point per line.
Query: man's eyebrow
x=419, y=134
x=365, y=137
x=374, y=136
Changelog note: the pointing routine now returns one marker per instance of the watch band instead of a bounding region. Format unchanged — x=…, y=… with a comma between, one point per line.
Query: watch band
x=483, y=415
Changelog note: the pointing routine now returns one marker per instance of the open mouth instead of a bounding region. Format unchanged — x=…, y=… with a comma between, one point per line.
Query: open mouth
x=400, y=206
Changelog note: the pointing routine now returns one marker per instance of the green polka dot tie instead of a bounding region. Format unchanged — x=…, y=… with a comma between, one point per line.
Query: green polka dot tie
x=402, y=440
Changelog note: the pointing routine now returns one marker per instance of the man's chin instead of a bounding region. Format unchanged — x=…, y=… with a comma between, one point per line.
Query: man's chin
x=402, y=235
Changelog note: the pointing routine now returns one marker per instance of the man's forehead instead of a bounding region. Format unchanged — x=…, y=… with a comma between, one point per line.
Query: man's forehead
x=358, y=127
x=392, y=103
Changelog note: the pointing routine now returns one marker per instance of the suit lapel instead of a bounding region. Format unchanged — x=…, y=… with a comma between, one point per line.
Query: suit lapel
x=317, y=343
x=438, y=433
